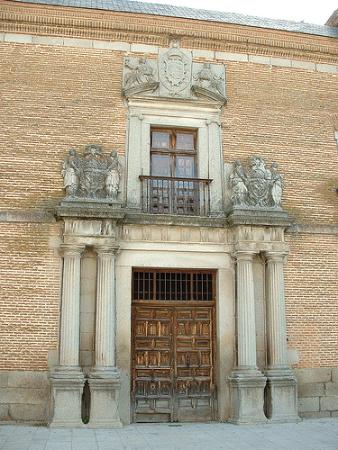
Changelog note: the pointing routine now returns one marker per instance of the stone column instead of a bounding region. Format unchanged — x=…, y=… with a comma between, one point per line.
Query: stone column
x=104, y=379
x=281, y=383
x=216, y=166
x=67, y=378
x=247, y=382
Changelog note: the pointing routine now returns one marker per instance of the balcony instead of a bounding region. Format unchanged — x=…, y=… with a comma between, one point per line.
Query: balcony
x=173, y=195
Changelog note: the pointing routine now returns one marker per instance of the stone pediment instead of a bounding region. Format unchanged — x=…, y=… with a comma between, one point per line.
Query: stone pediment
x=173, y=75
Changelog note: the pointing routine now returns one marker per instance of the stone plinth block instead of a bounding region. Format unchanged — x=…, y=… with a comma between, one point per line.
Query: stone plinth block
x=281, y=399
x=247, y=400
x=66, y=402
x=104, y=395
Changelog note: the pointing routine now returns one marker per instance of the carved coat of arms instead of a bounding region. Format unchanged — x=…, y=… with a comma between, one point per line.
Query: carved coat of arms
x=93, y=175
x=175, y=70
x=258, y=186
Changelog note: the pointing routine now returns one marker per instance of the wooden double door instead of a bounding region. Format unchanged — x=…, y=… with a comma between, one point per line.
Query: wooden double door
x=173, y=361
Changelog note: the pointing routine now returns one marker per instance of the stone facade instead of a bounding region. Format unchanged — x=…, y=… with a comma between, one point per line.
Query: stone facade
x=62, y=243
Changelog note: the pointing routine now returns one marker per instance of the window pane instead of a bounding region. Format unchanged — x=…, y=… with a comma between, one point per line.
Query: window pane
x=160, y=139
x=185, y=166
x=184, y=141
x=160, y=165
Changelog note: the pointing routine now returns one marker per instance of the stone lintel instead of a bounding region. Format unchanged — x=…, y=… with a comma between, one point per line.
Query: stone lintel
x=171, y=219
x=257, y=216
x=84, y=210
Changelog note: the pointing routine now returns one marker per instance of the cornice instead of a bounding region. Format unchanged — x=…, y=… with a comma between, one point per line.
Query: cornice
x=141, y=28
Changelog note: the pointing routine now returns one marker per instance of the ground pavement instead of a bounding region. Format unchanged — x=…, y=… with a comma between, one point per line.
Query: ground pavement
x=320, y=434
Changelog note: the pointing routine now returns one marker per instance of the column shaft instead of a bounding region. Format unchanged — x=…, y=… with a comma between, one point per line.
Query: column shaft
x=70, y=311
x=105, y=311
x=246, y=327
x=275, y=307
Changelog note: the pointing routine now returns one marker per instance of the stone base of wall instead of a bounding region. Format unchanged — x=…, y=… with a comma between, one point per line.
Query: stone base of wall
x=24, y=397
x=317, y=392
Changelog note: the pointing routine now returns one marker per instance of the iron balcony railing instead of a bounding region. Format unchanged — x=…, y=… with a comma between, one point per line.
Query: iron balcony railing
x=174, y=195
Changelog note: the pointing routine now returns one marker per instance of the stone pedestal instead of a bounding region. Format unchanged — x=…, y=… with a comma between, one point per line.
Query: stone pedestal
x=247, y=399
x=246, y=382
x=104, y=403
x=104, y=381
x=66, y=401
x=67, y=379
x=281, y=399
x=281, y=392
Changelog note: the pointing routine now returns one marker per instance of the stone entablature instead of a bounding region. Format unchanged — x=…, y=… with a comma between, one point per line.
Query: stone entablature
x=126, y=27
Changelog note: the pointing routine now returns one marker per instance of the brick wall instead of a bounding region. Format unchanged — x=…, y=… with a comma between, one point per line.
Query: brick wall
x=30, y=291
x=312, y=299
x=57, y=97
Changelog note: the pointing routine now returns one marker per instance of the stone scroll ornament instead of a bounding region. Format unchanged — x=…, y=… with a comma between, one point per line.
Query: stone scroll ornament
x=92, y=175
x=256, y=185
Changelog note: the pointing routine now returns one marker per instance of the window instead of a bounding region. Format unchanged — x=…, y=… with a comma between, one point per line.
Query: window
x=173, y=153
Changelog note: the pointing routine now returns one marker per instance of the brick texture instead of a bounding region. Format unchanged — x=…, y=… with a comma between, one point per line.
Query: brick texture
x=30, y=291
x=55, y=98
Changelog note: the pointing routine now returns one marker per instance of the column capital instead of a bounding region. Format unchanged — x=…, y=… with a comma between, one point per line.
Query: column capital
x=245, y=255
x=106, y=249
x=70, y=249
x=275, y=256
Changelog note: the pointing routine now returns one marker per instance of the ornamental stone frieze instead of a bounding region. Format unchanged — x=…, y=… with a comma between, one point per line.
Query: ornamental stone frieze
x=92, y=175
x=173, y=75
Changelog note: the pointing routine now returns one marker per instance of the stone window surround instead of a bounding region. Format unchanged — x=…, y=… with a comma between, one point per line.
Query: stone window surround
x=204, y=117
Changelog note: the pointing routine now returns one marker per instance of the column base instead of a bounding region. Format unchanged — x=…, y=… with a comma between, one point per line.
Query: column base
x=104, y=394
x=281, y=398
x=66, y=398
x=247, y=398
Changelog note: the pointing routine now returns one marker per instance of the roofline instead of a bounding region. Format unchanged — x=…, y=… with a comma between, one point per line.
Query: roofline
x=136, y=7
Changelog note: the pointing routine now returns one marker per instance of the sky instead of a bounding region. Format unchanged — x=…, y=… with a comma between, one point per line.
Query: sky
x=310, y=11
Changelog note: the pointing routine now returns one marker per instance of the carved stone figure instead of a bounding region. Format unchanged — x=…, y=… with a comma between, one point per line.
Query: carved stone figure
x=93, y=175
x=277, y=185
x=237, y=181
x=113, y=175
x=139, y=76
x=141, y=72
x=209, y=83
x=258, y=186
x=70, y=173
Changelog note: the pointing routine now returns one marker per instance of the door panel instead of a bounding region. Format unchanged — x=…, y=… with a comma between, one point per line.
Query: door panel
x=172, y=363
